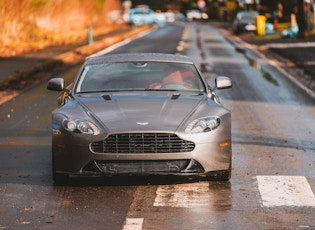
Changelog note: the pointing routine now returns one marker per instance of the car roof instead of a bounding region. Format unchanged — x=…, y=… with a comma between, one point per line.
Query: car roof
x=251, y=12
x=139, y=57
x=140, y=9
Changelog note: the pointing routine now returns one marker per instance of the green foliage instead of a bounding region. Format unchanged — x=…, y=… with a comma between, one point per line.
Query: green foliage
x=39, y=23
x=99, y=4
x=37, y=4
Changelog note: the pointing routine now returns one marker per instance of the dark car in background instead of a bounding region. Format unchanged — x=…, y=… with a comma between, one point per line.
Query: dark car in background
x=245, y=21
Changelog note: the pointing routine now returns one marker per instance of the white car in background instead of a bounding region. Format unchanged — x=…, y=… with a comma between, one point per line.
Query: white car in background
x=192, y=15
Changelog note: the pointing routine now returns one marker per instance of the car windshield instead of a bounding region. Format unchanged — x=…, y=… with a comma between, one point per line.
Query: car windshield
x=131, y=76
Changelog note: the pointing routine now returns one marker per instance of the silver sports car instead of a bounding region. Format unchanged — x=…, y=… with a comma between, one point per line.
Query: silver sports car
x=140, y=114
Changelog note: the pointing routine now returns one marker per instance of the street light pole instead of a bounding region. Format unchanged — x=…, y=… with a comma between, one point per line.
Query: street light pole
x=300, y=19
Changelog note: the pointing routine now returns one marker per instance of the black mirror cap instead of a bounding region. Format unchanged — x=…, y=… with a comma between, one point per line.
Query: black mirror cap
x=56, y=84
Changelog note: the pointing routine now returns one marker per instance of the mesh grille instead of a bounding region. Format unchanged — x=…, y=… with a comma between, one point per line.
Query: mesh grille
x=172, y=166
x=142, y=143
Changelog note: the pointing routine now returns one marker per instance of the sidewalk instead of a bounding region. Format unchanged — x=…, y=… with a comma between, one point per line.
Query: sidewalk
x=296, y=56
x=299, y=51
x=20, y=72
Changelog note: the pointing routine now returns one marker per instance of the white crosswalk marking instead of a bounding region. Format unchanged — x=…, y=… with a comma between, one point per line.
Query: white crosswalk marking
x=183, y=195
x=133, y=224
x=275, y=191
x=285, y=191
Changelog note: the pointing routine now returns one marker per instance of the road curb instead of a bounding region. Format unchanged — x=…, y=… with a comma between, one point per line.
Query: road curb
x=33, y=75
x=273, y=59
x=27, y=77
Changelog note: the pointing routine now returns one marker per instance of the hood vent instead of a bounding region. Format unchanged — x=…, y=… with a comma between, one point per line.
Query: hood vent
x=106, y=97
x=175, y=96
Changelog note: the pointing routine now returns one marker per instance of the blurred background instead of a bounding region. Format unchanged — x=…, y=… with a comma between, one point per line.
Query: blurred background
x=28, y=25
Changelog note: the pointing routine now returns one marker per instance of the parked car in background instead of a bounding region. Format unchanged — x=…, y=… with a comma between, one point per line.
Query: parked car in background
x=192, y=15
x=143, y=16
x=161, y=19
x=172, y=16
x=245, y=21
x=149, y=114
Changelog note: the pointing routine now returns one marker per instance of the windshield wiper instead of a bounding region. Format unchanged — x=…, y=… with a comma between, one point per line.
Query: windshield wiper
x=101, y=91
x=160, y=89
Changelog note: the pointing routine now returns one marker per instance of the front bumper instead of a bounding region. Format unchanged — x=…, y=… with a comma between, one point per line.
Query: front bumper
x=205, y=157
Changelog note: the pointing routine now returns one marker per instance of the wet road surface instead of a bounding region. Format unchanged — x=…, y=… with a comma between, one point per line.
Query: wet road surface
x=273, y=177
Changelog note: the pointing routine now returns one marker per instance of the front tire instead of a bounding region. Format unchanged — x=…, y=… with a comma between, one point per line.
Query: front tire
x=58, y=178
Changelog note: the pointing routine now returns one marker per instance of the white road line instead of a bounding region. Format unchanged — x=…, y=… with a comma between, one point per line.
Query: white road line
x=133, y=224
x=290, y=45
x=183, y=195
x=119, y=44
x=285, y=191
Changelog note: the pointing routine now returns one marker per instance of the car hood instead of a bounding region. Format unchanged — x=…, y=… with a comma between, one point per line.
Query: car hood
x=130, y=113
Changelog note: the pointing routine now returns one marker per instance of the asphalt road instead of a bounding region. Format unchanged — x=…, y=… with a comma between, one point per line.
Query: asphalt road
x=273, y=176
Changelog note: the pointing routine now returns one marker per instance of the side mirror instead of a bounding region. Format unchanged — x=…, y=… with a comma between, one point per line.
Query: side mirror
x=56, y=84
x=222, y=82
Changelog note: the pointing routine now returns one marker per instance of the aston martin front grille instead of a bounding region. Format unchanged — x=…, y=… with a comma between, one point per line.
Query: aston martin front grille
x=142, y=143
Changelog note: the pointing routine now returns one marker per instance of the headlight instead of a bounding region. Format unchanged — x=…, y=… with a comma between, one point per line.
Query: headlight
x=80, y=126
x=205, y=124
